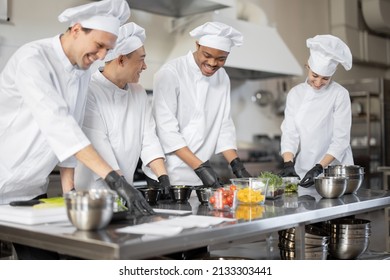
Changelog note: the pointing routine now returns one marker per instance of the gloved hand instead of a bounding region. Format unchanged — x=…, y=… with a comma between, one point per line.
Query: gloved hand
x=206, y=173
x=308, y=180
x=288, y=170
x=239, y=168
x=165, y=185
x=134, y=199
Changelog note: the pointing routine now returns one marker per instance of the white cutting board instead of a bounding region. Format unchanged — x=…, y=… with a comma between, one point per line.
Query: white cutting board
x=31, y=216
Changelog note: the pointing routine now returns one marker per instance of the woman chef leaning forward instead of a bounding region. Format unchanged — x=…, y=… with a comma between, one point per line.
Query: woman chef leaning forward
x=317, y=124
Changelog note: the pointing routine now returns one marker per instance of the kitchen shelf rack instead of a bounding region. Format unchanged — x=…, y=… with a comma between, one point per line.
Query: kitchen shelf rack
x=370, y=129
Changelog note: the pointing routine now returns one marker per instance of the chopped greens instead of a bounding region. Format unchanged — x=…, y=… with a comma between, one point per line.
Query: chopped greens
x=274, y=180
x=275, y=185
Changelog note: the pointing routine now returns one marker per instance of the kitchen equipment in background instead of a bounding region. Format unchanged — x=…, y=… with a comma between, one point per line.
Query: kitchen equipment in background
x=178, y=8
x=370, y=129
x=263, y=98
x=356, y=108
x=4, y=10
x=280, y=102
x=260, y=155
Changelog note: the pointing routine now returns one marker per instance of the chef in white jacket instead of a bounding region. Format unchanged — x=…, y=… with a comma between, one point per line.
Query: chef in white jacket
x=43, y=90
x=118, y=118
x=191, y=105
x=317, y=124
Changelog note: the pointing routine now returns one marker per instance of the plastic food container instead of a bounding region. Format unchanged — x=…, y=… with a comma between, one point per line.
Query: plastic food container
x=250, y=190
x=290, y=184
x=223, y=198
x=274, y=192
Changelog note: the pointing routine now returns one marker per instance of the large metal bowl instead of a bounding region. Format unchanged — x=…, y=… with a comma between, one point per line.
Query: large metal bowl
x=348, y=251
x=344, y=170
x=331, y=187
x=355, y=175
x=90, y=209
x=349, y=237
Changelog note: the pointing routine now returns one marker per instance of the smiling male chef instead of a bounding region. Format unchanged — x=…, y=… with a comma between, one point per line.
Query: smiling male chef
x=191, y=105
x=118, y=118
x=43, y=90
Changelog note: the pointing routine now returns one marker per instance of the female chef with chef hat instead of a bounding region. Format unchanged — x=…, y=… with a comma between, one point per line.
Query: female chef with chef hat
x=317, y=124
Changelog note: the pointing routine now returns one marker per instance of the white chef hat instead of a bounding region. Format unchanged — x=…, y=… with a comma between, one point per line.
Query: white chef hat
x=131, y=37
x=217, y=35
x=106, y=15
x=326, y=52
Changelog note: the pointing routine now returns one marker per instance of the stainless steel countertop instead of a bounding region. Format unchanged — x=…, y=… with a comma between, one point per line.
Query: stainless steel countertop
x=294, y=210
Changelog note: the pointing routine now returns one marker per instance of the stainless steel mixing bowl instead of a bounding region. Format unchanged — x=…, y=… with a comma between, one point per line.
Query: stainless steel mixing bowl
x=348, y=251
x=330, y=187
x=349, y=237
x=355, y=175
x=90, y=209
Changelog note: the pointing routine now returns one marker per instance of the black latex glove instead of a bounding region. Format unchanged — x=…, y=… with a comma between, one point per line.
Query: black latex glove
x=288, y=170
x=206, y=173
x=135, y=202
x=165, y=185
x=239, y=168
x=308, y=180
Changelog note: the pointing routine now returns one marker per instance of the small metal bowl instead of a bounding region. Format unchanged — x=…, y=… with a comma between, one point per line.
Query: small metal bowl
x=180, y=194
x=152, y=195
x=203, y=195
x=331, y=187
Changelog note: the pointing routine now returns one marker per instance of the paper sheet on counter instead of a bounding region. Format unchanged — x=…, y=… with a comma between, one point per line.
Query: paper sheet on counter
x=152, y=229
x=192, y=221
x=174, y=226
x=170, y=211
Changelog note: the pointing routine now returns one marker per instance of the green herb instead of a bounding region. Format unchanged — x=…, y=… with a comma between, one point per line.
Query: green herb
x=274, y=180
x=291, y=187
x=121, y=206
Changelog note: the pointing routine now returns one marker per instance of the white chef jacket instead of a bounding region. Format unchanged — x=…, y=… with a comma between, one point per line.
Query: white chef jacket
x=317, y=122
x=191, y=110
x=121, y=127
x=42, y=102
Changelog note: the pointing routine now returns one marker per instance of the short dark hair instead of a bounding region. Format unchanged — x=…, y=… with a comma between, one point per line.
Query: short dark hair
x=86, y=30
